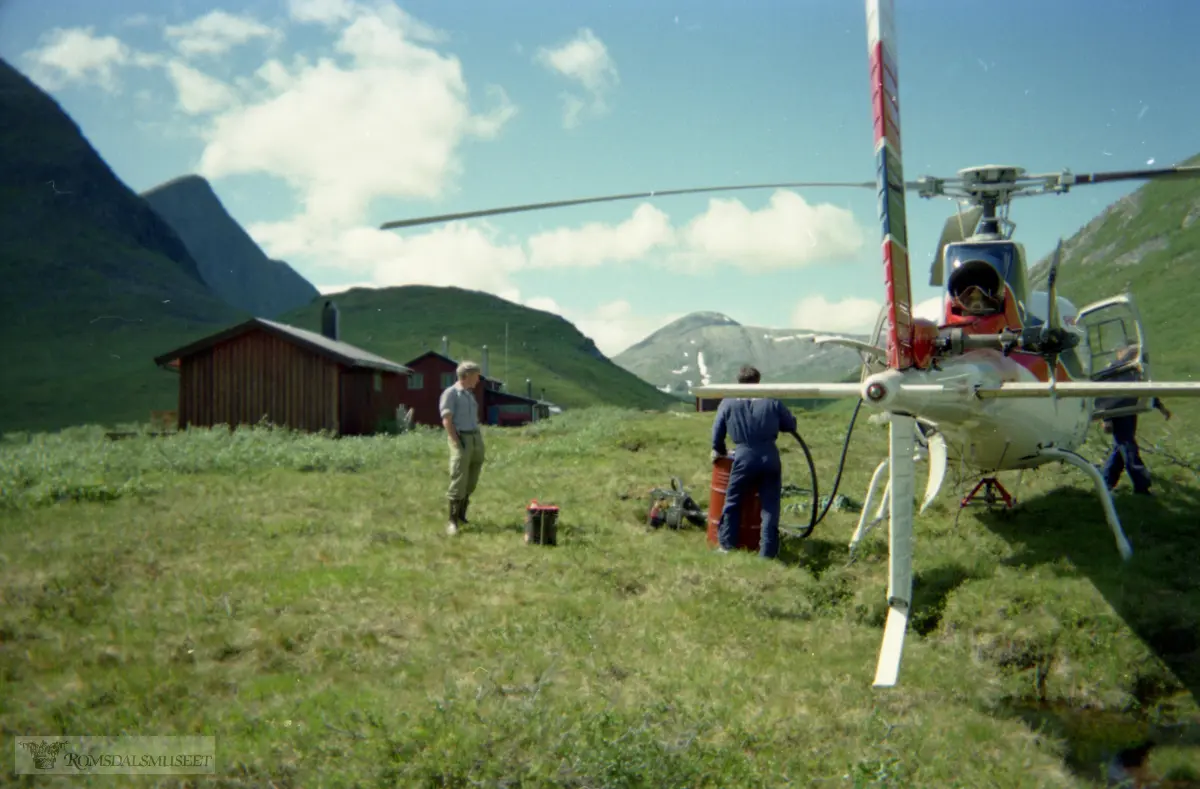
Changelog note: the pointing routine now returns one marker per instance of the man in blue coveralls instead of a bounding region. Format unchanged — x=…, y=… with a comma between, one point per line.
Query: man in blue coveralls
x=1124, y=455
x=754, y=424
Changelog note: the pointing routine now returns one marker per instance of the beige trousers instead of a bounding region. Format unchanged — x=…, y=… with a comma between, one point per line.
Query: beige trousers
x=466, y=462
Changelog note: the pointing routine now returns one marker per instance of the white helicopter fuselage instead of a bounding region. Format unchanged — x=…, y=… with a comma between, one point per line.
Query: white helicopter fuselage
x=1002, y=433
x=989, y=434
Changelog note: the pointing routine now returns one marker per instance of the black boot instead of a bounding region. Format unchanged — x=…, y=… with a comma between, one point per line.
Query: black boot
x=452, y=523
x=462, y=512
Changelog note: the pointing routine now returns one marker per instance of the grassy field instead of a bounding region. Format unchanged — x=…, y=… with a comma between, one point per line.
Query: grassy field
x=297, y=597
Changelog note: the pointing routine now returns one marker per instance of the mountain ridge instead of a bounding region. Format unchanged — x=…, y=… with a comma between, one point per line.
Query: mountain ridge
x=721, y=346
x=93, y=276
x=229, y=261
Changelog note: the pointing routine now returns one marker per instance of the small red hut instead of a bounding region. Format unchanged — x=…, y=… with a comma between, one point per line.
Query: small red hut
x=433, y=372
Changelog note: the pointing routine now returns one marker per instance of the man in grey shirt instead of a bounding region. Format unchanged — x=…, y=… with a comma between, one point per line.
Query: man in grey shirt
x=460, y=417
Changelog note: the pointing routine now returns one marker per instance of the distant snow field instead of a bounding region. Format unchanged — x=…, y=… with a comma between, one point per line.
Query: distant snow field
x=703, y=368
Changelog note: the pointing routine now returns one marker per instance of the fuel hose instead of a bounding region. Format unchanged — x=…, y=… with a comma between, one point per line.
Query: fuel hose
x=814, y=518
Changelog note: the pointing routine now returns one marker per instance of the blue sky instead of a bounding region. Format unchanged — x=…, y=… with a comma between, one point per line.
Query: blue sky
x=431, y=107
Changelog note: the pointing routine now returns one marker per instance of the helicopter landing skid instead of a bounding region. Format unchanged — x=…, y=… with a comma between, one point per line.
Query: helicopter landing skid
x=991, y=486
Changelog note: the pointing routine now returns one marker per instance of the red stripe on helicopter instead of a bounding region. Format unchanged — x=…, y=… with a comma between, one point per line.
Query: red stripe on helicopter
x=899, y=299
x=1040, y=367
x=885, y=97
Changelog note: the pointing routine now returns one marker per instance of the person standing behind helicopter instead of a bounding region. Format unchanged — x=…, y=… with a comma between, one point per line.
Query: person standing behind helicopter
x=1125, y=455
x=754, y=424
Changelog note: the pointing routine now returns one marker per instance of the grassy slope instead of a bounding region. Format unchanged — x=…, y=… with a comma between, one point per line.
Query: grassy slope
x=297, y=598
x=402, y=323
x=1149, y=245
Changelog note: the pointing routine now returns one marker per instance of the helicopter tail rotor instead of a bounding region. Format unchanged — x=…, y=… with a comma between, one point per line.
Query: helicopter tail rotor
x=1053, y=323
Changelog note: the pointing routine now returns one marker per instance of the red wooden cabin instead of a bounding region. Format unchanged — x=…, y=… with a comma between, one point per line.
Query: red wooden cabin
x=290, y=377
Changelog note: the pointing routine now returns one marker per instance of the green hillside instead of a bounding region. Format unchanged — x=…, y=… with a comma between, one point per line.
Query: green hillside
x=94, y=280
x=402, y=323
x=96, y=284
x=1147, y=244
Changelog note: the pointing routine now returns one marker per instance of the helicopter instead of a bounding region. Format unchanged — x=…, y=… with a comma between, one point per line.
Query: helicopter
x=1007, y=377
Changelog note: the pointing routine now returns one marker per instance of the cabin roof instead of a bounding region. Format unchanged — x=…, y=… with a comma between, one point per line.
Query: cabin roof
x=342, y=352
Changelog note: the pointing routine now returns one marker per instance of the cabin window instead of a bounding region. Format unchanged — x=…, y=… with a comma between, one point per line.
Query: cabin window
x=378, y=382
x=447, y=380
x=416, y=381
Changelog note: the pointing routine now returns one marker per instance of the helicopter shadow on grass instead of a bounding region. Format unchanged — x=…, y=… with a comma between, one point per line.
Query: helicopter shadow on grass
x=1154, y=592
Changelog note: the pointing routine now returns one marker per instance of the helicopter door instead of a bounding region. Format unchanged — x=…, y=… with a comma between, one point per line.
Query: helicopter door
x=1116, y=343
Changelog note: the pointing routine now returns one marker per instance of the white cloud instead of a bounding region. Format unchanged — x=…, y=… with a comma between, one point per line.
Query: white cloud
x=853, y=315
x=930, y=309
x=387, y=125
x=613, y=326
x=325, y=12
x=585, y=60
x=197, y=92
x=454, y=254
x=595, y=243
x=472, y=255
x=77, y=55
x=216, y=33
x=850, y=315
x=789, y=232
x=331, y=13
x=617, y=325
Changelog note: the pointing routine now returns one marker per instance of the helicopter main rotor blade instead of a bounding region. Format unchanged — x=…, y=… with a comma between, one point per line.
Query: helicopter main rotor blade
x=1136, y=175
x=428, y=220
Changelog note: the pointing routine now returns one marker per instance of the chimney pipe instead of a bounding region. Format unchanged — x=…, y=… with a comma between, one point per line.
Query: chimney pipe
x=543, y=395
x=329, y=321
x=529, y=388
x=484, y=362
x=445, y=345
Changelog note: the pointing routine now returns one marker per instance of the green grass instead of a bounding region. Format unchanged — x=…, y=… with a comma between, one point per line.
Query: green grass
x=296, y=597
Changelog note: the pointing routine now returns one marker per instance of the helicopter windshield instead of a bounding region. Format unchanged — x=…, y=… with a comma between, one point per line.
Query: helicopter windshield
x=964, y=271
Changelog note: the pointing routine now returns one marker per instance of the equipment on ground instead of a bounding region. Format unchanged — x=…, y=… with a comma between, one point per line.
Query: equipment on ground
x=673, y=507
x=541, y=524
x=1004, y=380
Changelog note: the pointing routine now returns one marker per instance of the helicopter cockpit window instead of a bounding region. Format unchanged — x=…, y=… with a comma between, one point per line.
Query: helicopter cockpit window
x=976, y=275
x=976, y=288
